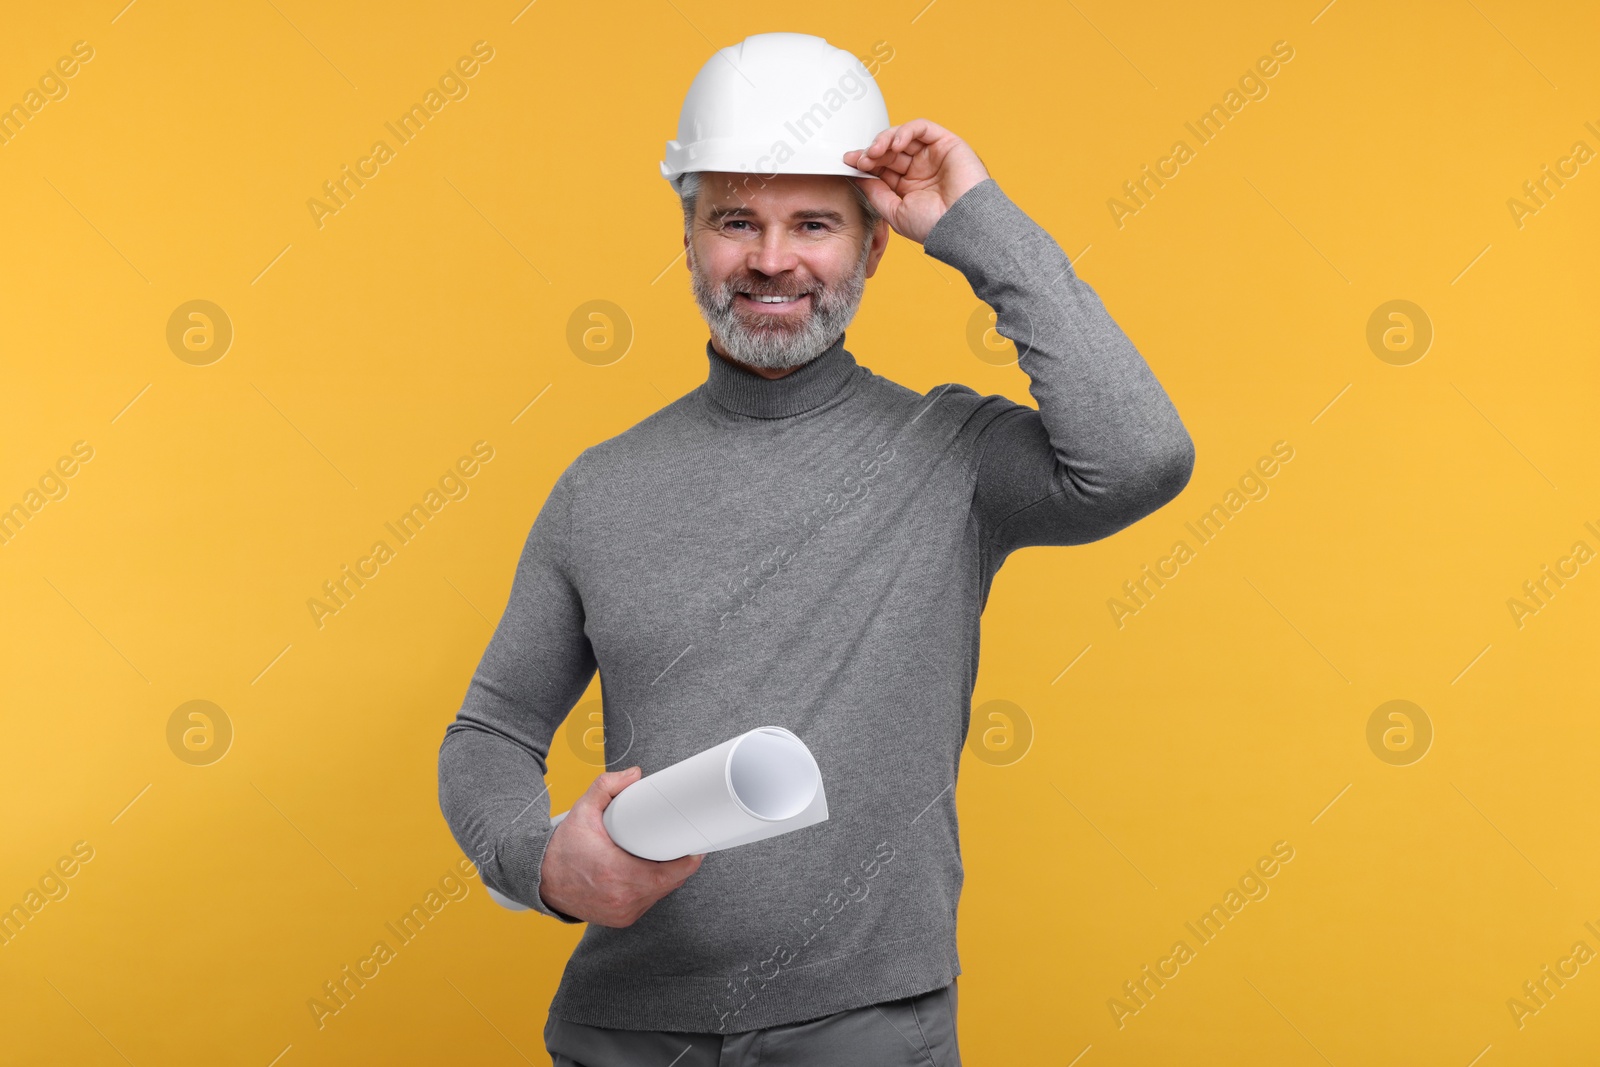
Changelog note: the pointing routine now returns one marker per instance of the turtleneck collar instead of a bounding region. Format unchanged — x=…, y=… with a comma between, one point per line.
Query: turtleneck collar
x=810, y=386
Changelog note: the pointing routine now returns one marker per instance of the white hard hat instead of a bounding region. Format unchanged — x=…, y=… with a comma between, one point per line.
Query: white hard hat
x=777, y=103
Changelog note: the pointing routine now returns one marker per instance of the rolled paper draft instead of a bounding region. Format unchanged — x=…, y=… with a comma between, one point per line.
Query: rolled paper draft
x=757, y=785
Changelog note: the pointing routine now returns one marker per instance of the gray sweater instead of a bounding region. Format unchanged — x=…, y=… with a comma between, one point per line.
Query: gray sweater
x=811, y=552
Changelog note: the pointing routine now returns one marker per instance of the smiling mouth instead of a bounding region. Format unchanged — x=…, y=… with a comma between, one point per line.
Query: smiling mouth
x=772, y=303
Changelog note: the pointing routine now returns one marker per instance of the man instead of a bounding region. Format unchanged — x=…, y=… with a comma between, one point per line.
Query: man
x=803, y=543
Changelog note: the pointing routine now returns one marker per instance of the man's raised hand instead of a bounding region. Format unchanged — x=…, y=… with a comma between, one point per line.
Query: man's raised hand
x=920, y=169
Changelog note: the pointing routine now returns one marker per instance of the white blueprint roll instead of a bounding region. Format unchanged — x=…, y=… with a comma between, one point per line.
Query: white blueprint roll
x=760, y=784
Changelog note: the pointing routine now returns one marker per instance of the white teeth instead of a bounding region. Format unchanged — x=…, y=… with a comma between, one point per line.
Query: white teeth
x=774, y=299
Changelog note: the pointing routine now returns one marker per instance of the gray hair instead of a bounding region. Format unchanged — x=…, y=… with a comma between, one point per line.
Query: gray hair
x=688, y=188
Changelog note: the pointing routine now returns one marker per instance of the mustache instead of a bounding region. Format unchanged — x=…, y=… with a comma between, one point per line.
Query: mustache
x=753, y=287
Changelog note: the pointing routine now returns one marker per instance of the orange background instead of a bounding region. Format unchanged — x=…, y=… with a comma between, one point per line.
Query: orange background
x=1142, y=768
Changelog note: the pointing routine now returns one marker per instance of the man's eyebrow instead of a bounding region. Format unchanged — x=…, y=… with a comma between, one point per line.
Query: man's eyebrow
x=820, y=213
x=717, y=214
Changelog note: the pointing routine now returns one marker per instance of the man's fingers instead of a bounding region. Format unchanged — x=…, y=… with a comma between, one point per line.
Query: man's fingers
x=608, y=785
x=879, y=195
x=899, y=162
x=917, y=129
x=899, y=138
x=880, y=142
x=673, y=873
x=919, y=164
x=867, y=158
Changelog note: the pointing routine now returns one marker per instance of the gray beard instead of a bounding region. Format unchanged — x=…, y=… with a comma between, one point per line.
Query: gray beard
x=777, y=345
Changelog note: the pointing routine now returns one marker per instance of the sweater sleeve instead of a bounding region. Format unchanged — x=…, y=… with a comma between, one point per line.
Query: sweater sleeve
x=538, y=662
x=1105, y=447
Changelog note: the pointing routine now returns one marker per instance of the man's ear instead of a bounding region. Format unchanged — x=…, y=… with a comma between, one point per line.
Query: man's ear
x=880, y=245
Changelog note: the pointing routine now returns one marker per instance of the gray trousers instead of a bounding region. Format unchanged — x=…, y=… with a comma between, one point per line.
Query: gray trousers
x=918, y=1031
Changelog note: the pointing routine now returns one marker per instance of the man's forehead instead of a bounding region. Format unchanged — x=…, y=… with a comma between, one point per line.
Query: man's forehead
x=782, y=192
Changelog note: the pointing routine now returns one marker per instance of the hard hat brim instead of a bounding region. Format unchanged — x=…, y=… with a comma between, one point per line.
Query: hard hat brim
x=746, y=158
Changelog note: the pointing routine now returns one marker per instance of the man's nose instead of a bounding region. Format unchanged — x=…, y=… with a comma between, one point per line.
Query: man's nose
x=774, y=253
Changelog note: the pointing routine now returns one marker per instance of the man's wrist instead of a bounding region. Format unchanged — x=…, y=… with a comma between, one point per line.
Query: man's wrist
x=538, y=889
x=939, y=237
x=520, y=860
x=553, y=910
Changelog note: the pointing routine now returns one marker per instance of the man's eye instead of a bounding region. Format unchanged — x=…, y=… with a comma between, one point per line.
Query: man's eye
x=735, y=222
x=820, y=225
